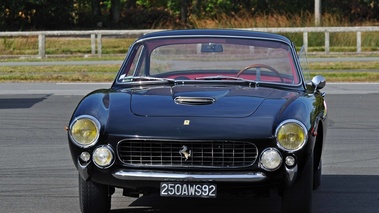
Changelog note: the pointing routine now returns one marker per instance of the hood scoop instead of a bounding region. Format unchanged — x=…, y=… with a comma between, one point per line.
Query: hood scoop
x=194, y=100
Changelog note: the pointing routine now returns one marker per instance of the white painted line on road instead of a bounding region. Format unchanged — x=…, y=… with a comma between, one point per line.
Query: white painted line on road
x=346, y=83
x=84, y=83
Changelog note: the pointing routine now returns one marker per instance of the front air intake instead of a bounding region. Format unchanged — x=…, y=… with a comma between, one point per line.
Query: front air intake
x=193, y=154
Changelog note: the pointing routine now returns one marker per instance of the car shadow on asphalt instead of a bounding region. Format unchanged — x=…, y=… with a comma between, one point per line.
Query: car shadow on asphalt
x=198, y=205
x=338, y=193
x=15, y=102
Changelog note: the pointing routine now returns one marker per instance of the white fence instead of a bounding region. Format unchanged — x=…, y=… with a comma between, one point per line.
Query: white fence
x=96, y=35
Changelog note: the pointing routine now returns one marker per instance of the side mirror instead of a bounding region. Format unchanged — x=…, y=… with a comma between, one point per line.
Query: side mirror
x=318, y=82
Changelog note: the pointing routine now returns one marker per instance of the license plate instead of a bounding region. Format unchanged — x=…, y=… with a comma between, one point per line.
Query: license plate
x=172, y=189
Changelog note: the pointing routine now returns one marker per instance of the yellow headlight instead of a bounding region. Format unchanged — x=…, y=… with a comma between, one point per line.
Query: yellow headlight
x=84, y=131
x=291, y=135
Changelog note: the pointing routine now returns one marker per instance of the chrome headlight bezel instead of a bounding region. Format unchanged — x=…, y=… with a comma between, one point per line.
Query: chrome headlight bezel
x=96, y=124
x=270, y=159
x=300, y=143
x=111, y=154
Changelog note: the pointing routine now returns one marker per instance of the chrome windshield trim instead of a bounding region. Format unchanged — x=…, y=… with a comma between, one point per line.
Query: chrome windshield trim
x=145, y=175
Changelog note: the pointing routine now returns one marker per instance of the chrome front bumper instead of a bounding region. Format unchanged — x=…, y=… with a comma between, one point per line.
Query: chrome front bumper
x=143, y=175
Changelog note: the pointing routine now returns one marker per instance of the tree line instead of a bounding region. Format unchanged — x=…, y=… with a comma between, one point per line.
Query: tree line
x=145, y=14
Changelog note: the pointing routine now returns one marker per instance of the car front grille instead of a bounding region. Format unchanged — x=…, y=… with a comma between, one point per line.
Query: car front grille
x=211, y=154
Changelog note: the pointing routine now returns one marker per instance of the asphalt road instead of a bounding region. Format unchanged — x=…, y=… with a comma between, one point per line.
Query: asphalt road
x=37, y=175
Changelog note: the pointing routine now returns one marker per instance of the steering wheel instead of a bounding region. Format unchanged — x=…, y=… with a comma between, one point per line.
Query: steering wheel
x=258, y=66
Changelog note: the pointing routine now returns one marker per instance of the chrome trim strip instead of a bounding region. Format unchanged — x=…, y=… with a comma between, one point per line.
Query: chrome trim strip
x=83, y=169
x=188, y=176
x=291, y=173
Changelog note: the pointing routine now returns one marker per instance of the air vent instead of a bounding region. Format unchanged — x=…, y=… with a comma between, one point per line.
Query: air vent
x=194, y=100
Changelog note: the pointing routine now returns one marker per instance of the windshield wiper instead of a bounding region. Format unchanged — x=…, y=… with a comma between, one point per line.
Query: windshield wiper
x=145, y=79
x=220, y=77
x=229, y=79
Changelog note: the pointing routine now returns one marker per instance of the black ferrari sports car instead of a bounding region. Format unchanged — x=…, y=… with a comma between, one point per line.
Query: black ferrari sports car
x=200, y=113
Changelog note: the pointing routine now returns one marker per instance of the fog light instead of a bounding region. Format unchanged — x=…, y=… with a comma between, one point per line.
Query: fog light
x=290, y=161
x=85, y=156
x=103, y=156
x=270, y=159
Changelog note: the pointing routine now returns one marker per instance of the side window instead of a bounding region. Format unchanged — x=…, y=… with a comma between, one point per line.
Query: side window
x=304, y=64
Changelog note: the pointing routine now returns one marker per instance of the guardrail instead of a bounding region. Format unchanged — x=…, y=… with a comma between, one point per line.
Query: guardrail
x=325, y=30
x=96, y=35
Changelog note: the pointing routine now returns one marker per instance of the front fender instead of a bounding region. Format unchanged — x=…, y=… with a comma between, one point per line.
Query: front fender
x=308, y=109
x=95, y=104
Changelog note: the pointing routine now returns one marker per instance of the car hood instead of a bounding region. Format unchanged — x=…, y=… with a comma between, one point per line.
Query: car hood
x=198, y=101
x=235, y=111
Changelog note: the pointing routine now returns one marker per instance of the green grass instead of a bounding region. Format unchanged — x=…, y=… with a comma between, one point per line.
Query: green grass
x=85, y=73
x=346, y=71
x=349, y=76
x=342, y=65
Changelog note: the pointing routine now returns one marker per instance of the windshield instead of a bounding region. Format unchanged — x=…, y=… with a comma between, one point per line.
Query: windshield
x=211, y=58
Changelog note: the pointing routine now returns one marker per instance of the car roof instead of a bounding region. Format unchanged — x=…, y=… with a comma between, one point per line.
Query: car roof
x=216, y=32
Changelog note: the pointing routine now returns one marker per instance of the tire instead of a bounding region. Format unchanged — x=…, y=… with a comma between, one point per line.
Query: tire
x=298, y=197
x=317, y=176
x=93, y=197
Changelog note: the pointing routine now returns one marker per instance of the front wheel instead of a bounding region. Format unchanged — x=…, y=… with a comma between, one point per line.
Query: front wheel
x=93, y=197
x=317, y=176
x=298, y=197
